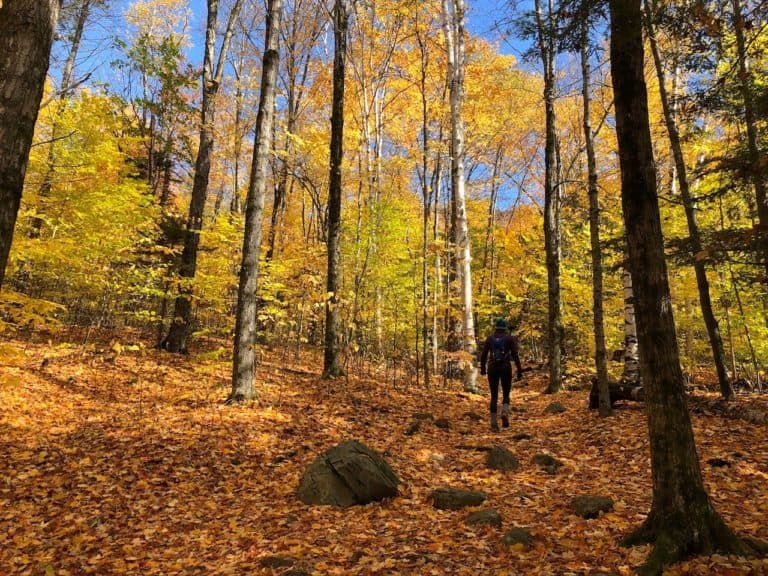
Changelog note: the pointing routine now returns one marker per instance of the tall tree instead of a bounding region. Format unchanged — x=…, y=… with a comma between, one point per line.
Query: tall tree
x=332, y=358
x=303, y=27
x=454, y=35
x=176, y=340
x=601, y=363
x=689, y=203
x=682, y=520
x=243, y=368
x=26, y=35
x=82, y=12
x=426, y=192
x=546, y=30
x=756, y=160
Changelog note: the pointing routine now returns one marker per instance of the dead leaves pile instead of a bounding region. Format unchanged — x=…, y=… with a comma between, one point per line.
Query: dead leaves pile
x=132, y=465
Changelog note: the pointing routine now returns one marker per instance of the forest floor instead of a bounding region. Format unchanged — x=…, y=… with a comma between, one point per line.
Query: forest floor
x=129, y=463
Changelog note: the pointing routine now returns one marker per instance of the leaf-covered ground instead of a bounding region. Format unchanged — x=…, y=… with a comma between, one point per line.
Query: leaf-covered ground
x=130, y=464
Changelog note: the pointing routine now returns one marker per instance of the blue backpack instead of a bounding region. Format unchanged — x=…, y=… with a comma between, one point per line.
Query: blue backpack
x=499, y=352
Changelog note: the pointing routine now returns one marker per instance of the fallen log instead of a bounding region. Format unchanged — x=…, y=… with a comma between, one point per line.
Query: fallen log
x=623, y=390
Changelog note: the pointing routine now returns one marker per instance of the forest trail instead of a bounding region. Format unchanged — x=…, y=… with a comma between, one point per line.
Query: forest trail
x=129, y=464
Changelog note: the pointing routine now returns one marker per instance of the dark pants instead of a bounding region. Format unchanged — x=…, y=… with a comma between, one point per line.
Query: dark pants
x=496, y=374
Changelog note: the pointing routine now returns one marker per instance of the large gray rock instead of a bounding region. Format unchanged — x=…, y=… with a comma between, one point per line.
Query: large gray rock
x=591, y=506
x=455, y=498
x=347, y=474
x=501, y=459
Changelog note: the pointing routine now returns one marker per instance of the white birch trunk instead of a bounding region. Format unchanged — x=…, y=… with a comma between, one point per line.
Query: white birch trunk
x=454, y=38
x=631, y=350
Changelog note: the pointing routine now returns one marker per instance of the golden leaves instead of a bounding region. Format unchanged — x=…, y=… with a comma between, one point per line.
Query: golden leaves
x=107, y=474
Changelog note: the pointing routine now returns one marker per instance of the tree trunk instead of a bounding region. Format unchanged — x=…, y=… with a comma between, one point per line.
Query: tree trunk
x=455, y=46
x=332, y=358
x=713, y=330
x=682, y=520
x=66, y=82
x=426, y=200
x=601, y=364
x=490, y=240
x=546, y=43
x=631, y=371
x=234, y=204
x=26, y=35
x=757, y=170
x=181, y=325
x=437, y=290
x=244, y=361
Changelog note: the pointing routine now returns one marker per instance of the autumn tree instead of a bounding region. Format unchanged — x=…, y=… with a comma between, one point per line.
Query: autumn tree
x=300, y=33
x=689, y=203
x=26, y=35
x=453, y=12
x=542, y=26
x=757, y=170
x=213, y=70
x=81, y=13
x=682, y=520
x=245, y=327
x=332, y=358
x=601, y=362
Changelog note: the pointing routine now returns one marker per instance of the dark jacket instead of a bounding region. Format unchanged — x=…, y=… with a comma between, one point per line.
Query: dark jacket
x=510, y=346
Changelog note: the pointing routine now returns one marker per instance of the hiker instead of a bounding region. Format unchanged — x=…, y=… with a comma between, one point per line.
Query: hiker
x=499, y=350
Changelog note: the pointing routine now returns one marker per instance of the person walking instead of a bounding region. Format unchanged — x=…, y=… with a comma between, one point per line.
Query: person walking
x=499, y=351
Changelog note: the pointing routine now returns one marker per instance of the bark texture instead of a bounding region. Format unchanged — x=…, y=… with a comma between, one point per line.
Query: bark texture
x=26, y=34
x=601, y=362
x=682, y=520
x=181, y=326
x=332, y=359
x=244, y=362
x=631, y=371
x=750, y=119
x=546, y=40
x=681, y=172
x=454, y=25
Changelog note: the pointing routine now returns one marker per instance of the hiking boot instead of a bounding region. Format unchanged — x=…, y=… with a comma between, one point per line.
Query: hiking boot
x=504, y=421
x=494, y=426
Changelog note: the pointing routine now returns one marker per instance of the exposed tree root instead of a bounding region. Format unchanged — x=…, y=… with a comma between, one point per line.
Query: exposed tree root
x=237, y=398
x=333, y=373
x=675, y=541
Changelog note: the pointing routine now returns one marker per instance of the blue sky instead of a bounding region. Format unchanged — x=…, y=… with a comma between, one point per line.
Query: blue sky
x=98, y=50
x=482, y=16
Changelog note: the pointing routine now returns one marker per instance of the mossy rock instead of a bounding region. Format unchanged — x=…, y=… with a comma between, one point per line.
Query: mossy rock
x=346, y=475
x=547, y=462
x=414, y=427
x=456, y=498
x=489, y=517
x=555, y=408
x=501, y=459
x=276, y=562
x=474, y=416
x=517, y=537
x=591, y=506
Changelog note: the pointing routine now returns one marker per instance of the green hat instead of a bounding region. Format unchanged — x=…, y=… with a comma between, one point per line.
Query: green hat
x=500, y=324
